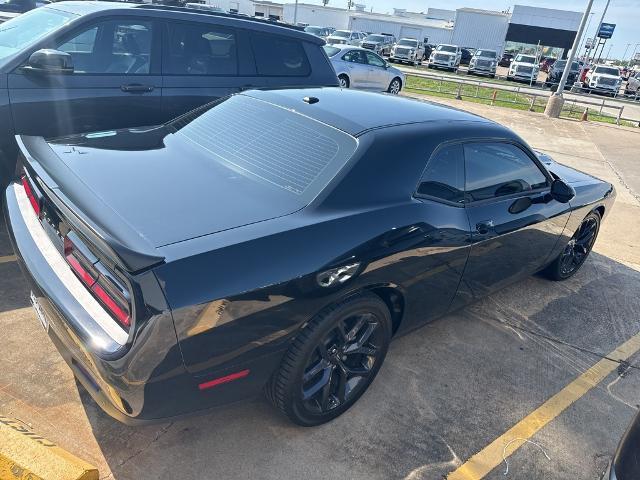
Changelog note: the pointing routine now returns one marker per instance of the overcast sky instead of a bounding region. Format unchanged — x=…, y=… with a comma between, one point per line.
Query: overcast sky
x=624, y=13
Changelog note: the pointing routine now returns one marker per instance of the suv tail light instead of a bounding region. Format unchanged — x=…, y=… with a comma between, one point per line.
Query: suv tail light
x=102, y=283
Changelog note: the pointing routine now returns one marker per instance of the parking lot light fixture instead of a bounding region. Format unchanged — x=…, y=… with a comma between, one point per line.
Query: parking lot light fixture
x=556, y=100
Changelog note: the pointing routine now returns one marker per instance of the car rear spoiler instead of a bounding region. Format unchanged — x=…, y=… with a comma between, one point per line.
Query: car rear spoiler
x=84, y=210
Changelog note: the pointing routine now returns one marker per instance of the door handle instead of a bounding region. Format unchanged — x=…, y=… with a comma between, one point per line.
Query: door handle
x=136, y=88
x=484, y=226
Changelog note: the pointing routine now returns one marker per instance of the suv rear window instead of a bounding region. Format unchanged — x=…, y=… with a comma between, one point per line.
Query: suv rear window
x=283, y=151
x=279, y=56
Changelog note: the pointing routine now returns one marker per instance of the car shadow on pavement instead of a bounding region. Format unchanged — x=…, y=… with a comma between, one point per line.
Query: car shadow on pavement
x=444, y=392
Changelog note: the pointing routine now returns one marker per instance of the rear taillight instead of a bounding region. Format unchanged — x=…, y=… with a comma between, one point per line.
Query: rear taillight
x=102, y=283
x=35, y=202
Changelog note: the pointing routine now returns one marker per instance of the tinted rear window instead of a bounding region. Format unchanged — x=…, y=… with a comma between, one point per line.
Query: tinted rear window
x=278, y=149
x=279, y=56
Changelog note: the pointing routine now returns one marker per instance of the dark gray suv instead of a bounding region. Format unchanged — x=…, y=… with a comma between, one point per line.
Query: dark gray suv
x=93, y=66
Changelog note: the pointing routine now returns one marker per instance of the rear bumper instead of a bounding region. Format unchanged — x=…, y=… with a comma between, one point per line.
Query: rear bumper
x=129, y=381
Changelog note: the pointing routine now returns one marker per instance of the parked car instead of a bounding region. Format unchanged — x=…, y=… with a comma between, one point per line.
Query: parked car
x=77, y=66
x=556, y=71
x=381, y=44
x=407, y=50
x=290, y=263
x=465, y=55
x=483, y=62
x=506, y=60
x=603, y=79
x=322, y=32
x=445, y=56
x=633, y=84
x=392, y=38
x=524, y=68
x=428, y=48
x=344, y=37
x=358, y=67
x=625, y=464
x=17, y=6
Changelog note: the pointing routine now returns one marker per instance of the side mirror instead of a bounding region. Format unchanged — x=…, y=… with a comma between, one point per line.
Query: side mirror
x=561, y=191
x=50, y=61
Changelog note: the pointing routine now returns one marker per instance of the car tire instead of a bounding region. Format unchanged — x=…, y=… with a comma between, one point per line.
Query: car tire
x=319, y=353
x=395, y=86
x=344, y=81
x=574, y=254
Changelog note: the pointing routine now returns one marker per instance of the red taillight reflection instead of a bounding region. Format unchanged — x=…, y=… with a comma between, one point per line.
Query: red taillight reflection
x=121, y=315
x=32, y=198
x=228, y=378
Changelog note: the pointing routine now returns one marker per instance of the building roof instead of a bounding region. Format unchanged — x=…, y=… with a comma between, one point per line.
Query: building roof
x=356, y=111
x=483, y=11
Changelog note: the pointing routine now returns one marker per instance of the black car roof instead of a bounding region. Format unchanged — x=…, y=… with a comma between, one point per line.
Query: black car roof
x=236, y=20
x=356, y=111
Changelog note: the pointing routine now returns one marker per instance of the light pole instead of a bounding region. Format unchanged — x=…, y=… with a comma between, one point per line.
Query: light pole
x=606, y=59
x=295, y=13
x=584, y=44
x=604, y=12
x=625, y=51
x=556, y=101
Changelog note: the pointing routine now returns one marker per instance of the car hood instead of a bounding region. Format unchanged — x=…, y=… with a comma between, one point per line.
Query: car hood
x=568, y=174
x=605, y=75
x=523, y=64
x=166, y=189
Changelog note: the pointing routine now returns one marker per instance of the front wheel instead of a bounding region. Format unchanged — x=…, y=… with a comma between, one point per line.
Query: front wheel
x=395, y=86
x=333, y=361
x=343, y=81
x=576, y=251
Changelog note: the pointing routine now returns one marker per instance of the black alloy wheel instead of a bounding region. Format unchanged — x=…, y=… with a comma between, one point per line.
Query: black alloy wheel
x=577, y=249
x=333, y=361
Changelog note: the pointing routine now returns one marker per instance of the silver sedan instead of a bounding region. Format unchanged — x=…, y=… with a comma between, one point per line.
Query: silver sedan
x=361, y=68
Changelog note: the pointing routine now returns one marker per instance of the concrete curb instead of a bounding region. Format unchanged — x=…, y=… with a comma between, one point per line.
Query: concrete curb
x=26, y=455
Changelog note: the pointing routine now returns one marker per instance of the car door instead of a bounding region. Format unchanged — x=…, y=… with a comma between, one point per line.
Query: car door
x=435, y=268
x=201, y=63
x=356, y=65
x=378, y=76
x=514, y=221
x=115, y=82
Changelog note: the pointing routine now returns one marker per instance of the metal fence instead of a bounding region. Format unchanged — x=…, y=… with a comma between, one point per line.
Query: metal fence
x=534, y=98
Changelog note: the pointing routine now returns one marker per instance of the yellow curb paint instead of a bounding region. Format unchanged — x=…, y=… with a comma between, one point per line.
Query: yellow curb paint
x=7, y=259
x=483, y=462
x=26, y=455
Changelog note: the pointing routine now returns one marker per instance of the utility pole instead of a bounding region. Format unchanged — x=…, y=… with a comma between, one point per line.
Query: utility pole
x=295, y=13
x=625, y=51
x=556, y=101
x=604, y=12
x=608, y=53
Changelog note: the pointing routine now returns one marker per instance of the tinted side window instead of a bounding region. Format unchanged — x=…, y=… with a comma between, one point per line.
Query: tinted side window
x=444, y=176
x=498, y=169
x=279, y=56
x=355, y=56
x=200, y=49
x=375, y=60
x=113, y=46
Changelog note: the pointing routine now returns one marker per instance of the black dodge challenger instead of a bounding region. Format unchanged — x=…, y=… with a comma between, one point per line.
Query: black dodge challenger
x=277, y=241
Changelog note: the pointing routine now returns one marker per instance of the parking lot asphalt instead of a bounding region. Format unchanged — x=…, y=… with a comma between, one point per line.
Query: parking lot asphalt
x=445, y=392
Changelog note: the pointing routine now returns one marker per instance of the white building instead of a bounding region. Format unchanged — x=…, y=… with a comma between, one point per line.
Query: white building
x=403, y=26
x=266, y=9
x=476, y=28
x=245, y=7
x=317, y=15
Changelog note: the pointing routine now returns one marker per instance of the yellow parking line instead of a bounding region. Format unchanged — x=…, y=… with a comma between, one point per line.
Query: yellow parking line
x=491, y=456
x=7, y=259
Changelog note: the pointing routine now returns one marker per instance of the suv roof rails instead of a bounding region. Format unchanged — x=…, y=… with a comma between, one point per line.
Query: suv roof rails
x=264, y=21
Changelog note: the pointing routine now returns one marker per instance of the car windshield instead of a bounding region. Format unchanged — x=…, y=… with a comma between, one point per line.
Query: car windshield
x=25, y=29
x=375, y=38
x=284, y=154
x=526, y=59
x=331, y=51
x=607, y=71
x=486, y=53
x=408, y=43
x=315, y=30
x=446, y=48
x=560, y=64
x=341, y=34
